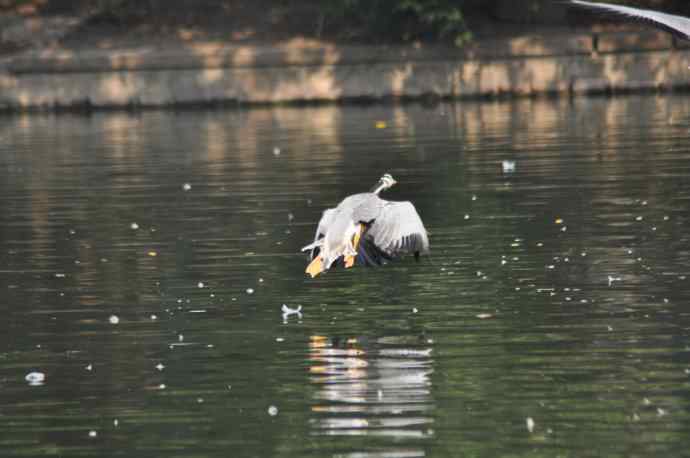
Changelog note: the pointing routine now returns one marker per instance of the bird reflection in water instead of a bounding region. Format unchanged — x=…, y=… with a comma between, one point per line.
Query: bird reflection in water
x=378, y=388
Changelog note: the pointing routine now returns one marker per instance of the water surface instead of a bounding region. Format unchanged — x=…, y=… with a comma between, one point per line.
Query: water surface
x=144, y=260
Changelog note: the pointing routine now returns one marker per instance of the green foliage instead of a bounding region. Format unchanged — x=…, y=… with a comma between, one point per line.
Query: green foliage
x=403, y=19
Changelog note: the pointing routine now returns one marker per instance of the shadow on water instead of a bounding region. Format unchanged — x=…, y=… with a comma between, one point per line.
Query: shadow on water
x=144, y=261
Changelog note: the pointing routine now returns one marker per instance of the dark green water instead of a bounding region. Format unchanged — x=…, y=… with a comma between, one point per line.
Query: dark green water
x=557, y=292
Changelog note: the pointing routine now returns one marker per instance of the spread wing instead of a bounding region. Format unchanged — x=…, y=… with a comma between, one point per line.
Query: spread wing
x=398, y=230
x=678, y=25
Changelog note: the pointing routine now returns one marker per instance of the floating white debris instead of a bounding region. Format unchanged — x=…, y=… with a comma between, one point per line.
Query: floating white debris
x=276, y=151
x=414, y=310
x=646, y=401
x=280, y=339
x=154, y=317
x=134, y=226
x=474, y=197
x=114, y=319
x=665, y=218
x=186, y=187
x=93, y=433
x=484, y=316
x=161, y=386
x=287, y=311
x=261, y=280
x=379, y=394
x=250, y=290
x=530, y=424
x=635, y=417
x=180, y=338
x=160, y=366
x=272, y=411
x=508, y=166
x=638, y=218
x=35, y=378
x=291, y=217
x=200, y=400
x=60, y=275
x=89, y=367
x=200, y=284
x=467, y=216
x=116, y=423
x=609, y=328
x=660, y=412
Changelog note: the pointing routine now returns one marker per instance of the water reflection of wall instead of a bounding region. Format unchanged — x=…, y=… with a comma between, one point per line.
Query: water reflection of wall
x=377, y=388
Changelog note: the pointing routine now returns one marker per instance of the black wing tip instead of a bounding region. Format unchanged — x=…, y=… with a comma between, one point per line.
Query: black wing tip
x=313, y=254
x=413, y=243
x=370, y=255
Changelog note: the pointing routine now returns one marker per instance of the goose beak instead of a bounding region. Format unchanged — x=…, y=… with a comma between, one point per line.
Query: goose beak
x=315, y=267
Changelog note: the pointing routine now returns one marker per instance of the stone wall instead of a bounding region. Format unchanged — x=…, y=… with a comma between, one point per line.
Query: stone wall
x=563, y=62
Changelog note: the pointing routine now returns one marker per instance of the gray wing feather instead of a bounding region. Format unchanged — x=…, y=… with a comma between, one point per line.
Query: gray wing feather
x=679, y=24
x=398, y=229
x=327, y=218
x=365, y=207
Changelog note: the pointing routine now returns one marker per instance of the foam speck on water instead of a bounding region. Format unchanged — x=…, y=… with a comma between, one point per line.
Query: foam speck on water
x=530, y=424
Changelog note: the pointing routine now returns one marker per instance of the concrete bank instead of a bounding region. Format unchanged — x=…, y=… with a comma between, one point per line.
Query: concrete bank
x=298, y=71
